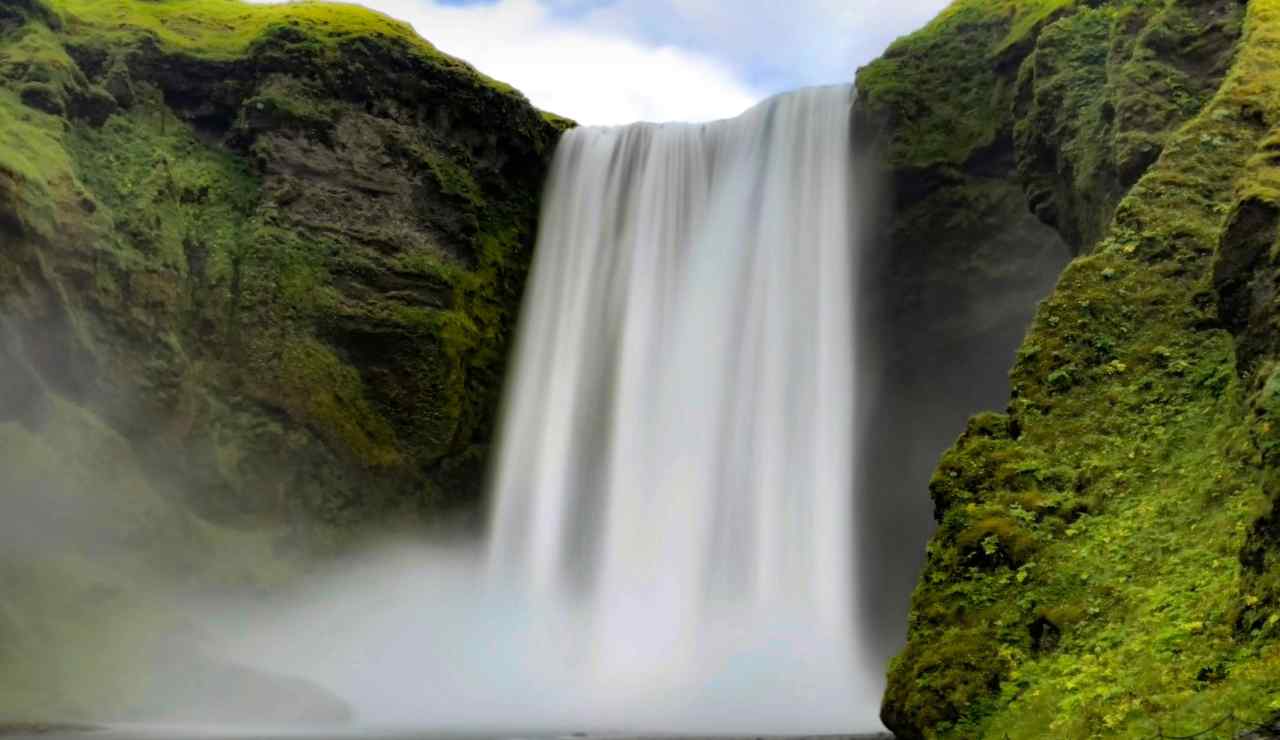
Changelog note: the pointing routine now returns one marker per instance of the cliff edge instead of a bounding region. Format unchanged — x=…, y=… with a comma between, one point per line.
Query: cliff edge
x=1105, y=559
x=259, y=269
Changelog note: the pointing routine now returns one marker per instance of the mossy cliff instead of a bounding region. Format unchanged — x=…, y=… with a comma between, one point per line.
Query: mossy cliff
x=1106, y=553
x=259, y=267
x=278, y=248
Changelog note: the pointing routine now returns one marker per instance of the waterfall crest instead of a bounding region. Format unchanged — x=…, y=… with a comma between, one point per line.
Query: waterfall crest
x=677, y=450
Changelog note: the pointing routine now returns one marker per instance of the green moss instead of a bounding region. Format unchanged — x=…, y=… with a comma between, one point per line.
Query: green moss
x=1065, y=111
x=937, y=86
x=474, y=336
x=286, y=103
x=34, y=54
x=1028, y=17
x=17, y=12
x=36, y=79
x=35, y=172
x=1101, y=93
x=946, y=89
x=176, y=202
x=1087, y=92
x=228, y=29
x=560, y=122
x=329, y=395
x=455, y=180
x=1128, y=555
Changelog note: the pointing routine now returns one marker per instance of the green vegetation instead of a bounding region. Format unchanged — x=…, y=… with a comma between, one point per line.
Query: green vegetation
x=35, y=173
x=940, y=86
x=262, y=264
x=1103, y=90
x=74, y=608
x=267, y=234
x=269, y=258
x=167, y=193
x=1089, y=92
x=227, y=29
x=1101, y=566
x=36, y=76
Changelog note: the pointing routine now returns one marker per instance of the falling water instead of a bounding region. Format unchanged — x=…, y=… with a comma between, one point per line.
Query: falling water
x=671, y=539
x=677, y=450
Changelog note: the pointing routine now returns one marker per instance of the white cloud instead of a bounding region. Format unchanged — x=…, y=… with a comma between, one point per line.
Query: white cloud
x=778, y=44
x=618, y=61
x=590, y=75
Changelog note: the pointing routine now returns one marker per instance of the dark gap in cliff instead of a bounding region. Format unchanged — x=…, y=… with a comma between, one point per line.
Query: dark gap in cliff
x=1246, y=289
x=951, y=281
x=1044, y=635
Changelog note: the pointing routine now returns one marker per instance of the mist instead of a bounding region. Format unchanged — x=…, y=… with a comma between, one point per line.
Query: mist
x=671, y=526
x=755, y=585
x=721, y=607
x=412, y=638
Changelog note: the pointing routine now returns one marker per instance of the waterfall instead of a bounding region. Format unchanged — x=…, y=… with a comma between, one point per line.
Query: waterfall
x=671, y=542
x=677, y=449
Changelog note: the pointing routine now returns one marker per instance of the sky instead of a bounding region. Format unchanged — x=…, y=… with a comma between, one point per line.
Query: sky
x=606, y=62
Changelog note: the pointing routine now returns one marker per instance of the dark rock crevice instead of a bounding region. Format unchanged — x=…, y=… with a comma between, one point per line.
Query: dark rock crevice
x=1245, y=277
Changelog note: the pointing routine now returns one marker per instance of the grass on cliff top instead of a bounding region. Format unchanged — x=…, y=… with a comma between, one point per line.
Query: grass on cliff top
x=226, y=29
x=938, y=84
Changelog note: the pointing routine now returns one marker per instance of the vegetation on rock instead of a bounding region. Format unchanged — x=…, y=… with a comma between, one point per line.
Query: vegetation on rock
x=1104, y=563
x=267, y=259
x=296, y=233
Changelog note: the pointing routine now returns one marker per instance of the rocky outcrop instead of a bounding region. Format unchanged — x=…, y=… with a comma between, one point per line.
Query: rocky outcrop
x=1104, y=562
x=949, y=285
x=259, y=268
x=279, y=248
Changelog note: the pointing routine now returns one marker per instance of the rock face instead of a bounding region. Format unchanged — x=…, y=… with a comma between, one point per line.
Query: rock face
x=278, y=248
x=1106, y=555
x=954, y=275
x=259, y=266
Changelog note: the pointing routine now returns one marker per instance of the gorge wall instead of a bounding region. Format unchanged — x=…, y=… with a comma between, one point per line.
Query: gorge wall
x=278, y=249
x=1104, y=562
x=259, y=267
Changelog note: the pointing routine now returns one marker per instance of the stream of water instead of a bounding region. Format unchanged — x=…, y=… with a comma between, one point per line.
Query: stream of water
x=678, y=446
x=672, y=537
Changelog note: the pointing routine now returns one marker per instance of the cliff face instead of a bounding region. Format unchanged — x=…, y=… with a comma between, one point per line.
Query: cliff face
x=259, y=266
x=1105, y=559
x=279, y=249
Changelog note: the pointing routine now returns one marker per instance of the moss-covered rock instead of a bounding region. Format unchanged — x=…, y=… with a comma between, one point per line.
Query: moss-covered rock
x=1105, y=559
x=259, y=267
x=958, y=266
x=283, y=244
